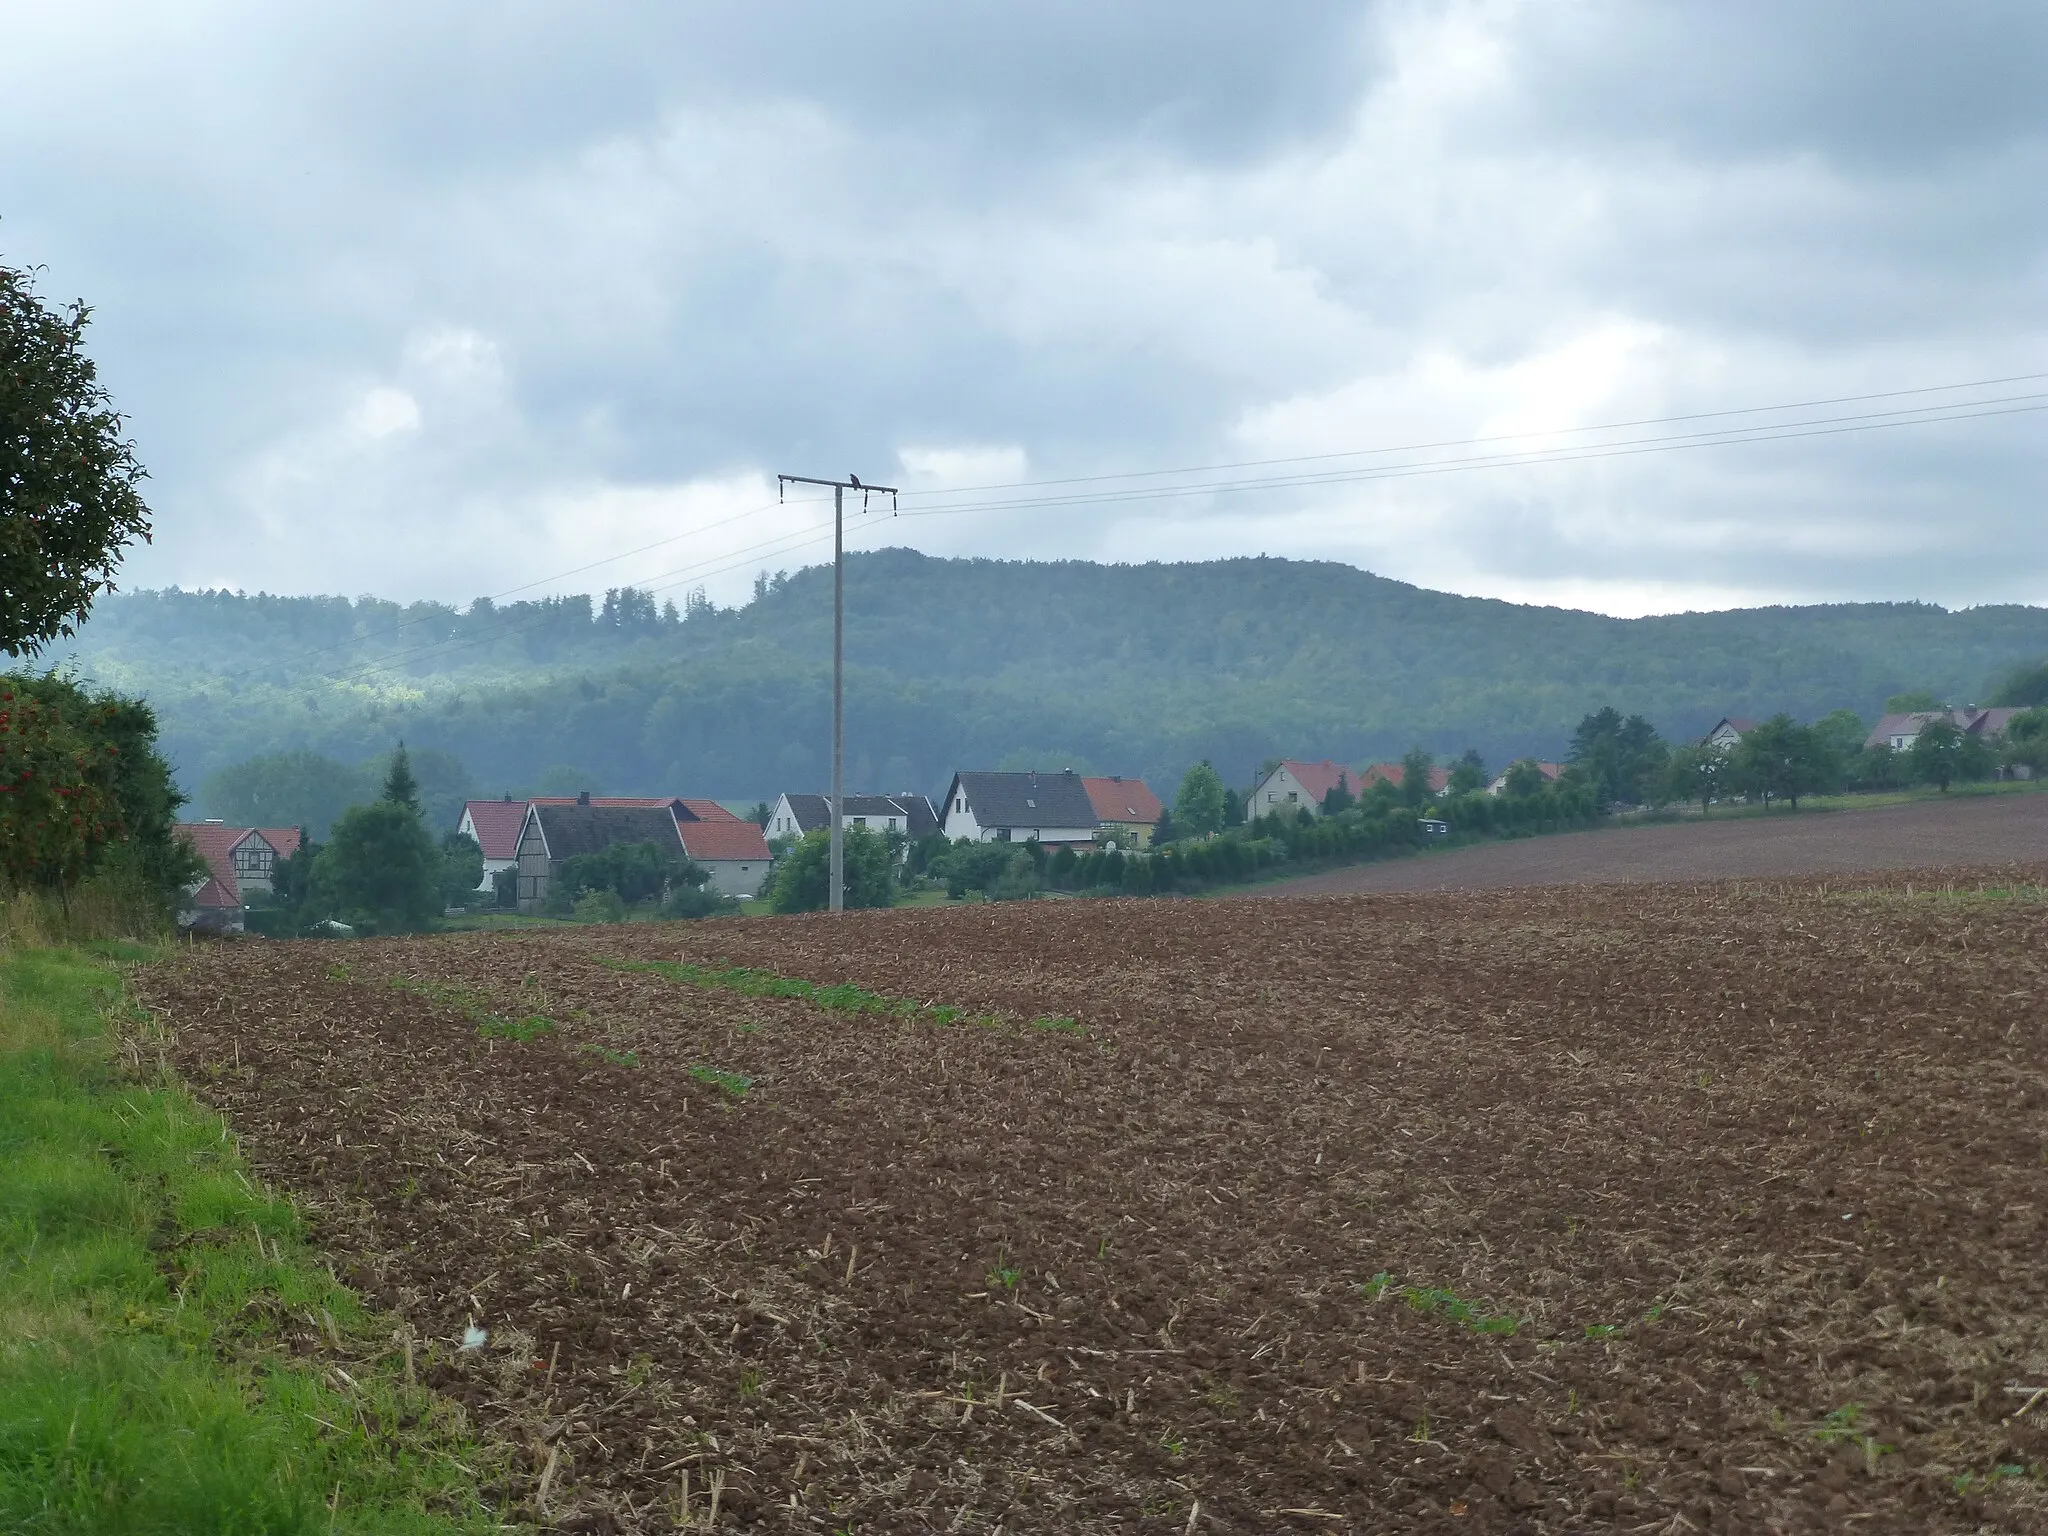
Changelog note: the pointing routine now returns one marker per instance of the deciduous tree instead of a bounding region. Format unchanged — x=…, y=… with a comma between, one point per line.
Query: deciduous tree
x=68, y=499
x=803, y=875
x=1695, y=773
x=381, y=870
x=1936, y=756
x=1199, y=803
x=1781, y=759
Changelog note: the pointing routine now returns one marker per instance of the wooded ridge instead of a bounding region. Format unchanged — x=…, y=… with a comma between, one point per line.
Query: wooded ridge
x=1137, y=669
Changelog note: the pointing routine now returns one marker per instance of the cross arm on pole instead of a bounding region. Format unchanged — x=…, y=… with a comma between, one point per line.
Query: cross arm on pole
x=836, y=879
x=848, y=484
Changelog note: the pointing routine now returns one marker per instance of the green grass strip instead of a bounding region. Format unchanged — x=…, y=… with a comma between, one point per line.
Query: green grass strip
x=844, y=996
x=471, y=1004
x=734, y=1083
x=144, y=1282
x=1435, y=1299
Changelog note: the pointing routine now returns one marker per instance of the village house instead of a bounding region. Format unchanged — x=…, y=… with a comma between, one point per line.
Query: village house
x=495, y=825
x=1126, y=809
x=555, y=831
x=1550, y=771
x=911, y=815
x=1052, y=808
x=1396, y=775
x=238, y=860
x=1900, y=731
x=726, y=846
x=729, y=848
x=1727, y=733
x=1292, y=784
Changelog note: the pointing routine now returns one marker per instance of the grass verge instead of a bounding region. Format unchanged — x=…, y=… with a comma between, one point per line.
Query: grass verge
x=172, y=1358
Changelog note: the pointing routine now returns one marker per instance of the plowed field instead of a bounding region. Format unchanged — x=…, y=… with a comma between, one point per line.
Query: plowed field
x=1968, y=831
x=1656, y=1208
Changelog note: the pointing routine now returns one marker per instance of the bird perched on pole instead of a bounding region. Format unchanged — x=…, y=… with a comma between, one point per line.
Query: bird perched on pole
x=854, y=481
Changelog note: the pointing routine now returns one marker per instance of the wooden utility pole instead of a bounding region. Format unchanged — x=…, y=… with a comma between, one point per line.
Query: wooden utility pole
x=836, y=885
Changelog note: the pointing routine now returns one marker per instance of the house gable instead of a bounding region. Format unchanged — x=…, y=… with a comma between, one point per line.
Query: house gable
x=1017, y=807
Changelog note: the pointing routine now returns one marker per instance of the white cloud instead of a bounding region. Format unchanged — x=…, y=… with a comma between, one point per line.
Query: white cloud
x=951, y=468
x=420, y=319
x=382, y=412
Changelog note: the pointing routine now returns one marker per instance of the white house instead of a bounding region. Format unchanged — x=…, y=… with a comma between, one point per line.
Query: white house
x=911, y=815
x=1294, y=785
x=1727, y=733
x=495, y=825
x=1053, y=808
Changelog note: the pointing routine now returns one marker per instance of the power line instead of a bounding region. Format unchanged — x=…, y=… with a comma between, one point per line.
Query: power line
x=1567, y=453
x=1470, y=442
x=1932, y=413
x=1761, y=432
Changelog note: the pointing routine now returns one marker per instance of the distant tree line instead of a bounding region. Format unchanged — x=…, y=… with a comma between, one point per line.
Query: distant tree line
x=956, y=662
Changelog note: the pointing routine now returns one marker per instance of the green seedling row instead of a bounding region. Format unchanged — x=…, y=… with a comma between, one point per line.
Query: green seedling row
x=845, y=996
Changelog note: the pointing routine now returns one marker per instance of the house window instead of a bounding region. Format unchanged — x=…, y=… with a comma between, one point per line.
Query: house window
x=1271, y=797
x=861, y=822
x=960, y=804
x=1292, y=797
x=1002, y=834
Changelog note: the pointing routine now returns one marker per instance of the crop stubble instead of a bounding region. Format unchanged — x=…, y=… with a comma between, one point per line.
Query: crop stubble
x=1756, y=1173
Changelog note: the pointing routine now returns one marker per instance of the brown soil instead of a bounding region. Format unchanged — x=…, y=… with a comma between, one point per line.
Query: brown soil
x=1970, y=831
x=1759, y=1176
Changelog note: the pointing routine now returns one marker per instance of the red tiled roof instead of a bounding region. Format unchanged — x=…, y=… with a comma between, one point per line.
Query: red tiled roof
x=215, y=843
x=1548, y=770
x=732, y=838
x=497, y=824
x=1394, y=773
x=214, y=894
x=1318, y=779
x=709, y=810
x=284, y=839
x=1125, y=800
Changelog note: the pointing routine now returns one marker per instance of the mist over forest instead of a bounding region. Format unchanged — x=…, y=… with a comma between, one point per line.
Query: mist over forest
x=977, y=663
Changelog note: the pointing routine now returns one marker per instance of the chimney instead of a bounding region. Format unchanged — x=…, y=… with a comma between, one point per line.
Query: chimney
x=583, y=797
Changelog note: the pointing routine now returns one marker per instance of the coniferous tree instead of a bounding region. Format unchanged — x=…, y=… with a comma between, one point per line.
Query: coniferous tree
x=400, y=787
x=1416, y=768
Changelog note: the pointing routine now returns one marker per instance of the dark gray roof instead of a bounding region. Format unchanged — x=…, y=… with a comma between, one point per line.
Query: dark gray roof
x=574, y=829
x=915, y=811
x=809, y=811
x=920, y=818
x=1027, y=799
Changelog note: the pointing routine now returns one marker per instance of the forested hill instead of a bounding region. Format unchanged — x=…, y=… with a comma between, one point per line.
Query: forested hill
x=1139, y=669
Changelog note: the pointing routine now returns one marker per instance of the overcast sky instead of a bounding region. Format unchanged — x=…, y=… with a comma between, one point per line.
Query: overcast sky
x=435, y=300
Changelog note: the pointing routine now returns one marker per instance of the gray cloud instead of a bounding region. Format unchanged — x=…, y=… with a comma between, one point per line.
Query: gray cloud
x=439, y=299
